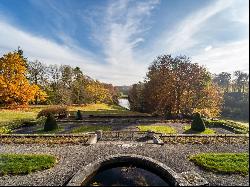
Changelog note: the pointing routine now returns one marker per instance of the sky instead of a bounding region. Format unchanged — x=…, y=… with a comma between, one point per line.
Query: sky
x=115, y=41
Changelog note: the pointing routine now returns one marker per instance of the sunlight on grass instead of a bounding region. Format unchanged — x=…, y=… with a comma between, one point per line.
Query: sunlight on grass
x=160, y=129
x=188, y=130
x=15, y=164
x=102, y=109
x=93, y=107
x=91, y=128
x=223, y=162
x=13, y=115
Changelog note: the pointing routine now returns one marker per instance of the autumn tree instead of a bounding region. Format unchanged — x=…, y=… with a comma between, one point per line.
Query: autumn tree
x=136, y=97
x=113, y=91
x=241, y=80
x=37, y=75
x=174, y=85
x=96, y=92
x=223, y=80
x=15, y=88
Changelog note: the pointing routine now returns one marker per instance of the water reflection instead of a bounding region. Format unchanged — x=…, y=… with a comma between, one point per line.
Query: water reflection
x=124, y=103
x=126, y=176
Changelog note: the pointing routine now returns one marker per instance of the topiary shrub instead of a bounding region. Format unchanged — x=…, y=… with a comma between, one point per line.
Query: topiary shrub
x=58, y=111
x=78, y=115
x=197, y=123
x=50, y=123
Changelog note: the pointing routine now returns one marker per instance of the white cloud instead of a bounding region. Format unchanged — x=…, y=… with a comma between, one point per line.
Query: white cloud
x=49, y=52
x=182, y=37
x=208, y=48
x=124, y=25
x=119, y=35
x=227, y=57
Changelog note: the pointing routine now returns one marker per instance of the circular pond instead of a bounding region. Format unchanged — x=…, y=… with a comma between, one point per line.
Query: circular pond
x=125, y=175
x=126, y=170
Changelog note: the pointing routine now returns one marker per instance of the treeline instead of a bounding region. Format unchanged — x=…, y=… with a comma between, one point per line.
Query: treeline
x=175, y=87
x=235, y=88
x=32, y=82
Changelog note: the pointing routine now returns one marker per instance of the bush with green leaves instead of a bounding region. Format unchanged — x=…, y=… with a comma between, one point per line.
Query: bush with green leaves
x=197, y=123
x=50, y=123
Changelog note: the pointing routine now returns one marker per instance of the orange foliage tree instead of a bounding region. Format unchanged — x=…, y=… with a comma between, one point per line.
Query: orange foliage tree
x=174, y=86
x=15, y=88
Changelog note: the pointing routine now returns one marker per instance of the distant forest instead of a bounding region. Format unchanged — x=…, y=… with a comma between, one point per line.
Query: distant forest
x=235, y=88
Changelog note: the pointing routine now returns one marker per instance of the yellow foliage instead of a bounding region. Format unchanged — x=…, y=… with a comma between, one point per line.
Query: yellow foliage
x=98, y=93
x=15, y=88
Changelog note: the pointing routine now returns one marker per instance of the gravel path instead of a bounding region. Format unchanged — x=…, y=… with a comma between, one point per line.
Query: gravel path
x=72, y=157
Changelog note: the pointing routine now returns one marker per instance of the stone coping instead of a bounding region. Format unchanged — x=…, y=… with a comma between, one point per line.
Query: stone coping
x=84, y=174
x=84, y=138
x=43, y=135
x=139, y=132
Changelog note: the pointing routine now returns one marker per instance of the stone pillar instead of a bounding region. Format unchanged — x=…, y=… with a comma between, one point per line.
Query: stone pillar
x=99, y=134
x=92, y=139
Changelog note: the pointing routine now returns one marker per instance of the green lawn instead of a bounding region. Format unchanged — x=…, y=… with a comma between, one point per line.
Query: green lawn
x=91, y=128
x=15, y=164
x=15, y=116
x=160, y=129
x=103, y=109
x=223, y=162
x=188, y=130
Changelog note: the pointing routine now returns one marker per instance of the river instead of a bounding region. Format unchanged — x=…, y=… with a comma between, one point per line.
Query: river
x=124, y=103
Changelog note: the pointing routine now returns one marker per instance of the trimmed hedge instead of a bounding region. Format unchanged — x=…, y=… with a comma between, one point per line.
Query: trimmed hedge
x=78, y=115
x=233, y=126
x=50, y=123
x=60, y=112
x=197, y=123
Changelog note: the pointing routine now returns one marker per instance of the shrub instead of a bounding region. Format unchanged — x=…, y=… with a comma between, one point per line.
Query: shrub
x=197, y=123
x=60, y=112
x=50, y=123
x=78, y=115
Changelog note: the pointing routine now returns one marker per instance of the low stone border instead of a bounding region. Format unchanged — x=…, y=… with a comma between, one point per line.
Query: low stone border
x=177, y=138
x=123, y=136
x=175, y=179
x=206, y=139
x=44, y=138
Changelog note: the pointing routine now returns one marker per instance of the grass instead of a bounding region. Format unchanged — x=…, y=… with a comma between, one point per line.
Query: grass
x=102, y=109
x=16, y=164
x=160, y=129
x=188, y=130
x=91, y=128
x=41, y=131
x=223, y=162
x=15, y=116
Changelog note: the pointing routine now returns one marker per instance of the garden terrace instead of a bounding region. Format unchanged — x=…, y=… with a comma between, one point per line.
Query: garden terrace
x=73, y=157
x=128, y=123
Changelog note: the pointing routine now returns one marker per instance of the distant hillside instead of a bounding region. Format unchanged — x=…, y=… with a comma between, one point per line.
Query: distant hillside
x=123, y=89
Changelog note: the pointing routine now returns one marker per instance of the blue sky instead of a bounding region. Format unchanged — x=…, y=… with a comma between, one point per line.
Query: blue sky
x=116, y=40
